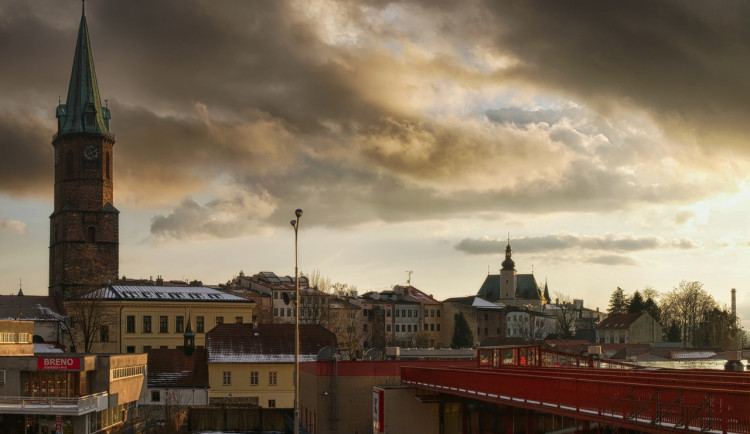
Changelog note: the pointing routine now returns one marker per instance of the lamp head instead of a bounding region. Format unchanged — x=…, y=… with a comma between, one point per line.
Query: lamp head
x=293, y=223
x=298, y=212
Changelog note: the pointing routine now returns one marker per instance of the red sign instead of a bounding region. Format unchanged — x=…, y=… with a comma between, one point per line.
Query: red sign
x=377, y=411
x=59, y=363
x=58, y=424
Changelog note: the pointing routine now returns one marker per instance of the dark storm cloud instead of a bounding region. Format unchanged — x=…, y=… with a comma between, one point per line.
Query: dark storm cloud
x=684, y=62
x=609, y=242
x=26, y=164
x=255, y=97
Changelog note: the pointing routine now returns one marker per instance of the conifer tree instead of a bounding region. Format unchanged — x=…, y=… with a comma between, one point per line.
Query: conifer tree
x=462, y=337
x=618, y=301
x=636, y=304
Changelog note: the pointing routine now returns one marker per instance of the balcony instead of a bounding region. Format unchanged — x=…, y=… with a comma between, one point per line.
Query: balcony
x=54, y=405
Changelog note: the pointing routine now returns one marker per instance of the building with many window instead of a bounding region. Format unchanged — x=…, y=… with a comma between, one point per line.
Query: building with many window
x=255, y=365
x=140, y=318
x=64, y=392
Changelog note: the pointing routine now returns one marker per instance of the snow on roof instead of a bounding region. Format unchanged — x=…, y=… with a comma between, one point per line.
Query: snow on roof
x=682, y=355
x=268, y=343
x=168, y=293
x=29, y=308
x=482, y=303
x=46, y=349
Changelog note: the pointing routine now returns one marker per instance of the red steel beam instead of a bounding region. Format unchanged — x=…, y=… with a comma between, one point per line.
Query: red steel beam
x=652, y=406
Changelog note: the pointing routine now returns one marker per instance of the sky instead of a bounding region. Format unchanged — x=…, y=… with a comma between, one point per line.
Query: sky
x=609, y=141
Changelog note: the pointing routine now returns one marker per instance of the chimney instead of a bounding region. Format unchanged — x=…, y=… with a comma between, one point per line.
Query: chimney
x=734, y=302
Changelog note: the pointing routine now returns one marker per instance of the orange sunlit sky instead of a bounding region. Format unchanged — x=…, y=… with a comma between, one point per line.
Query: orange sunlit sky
x=609, y=140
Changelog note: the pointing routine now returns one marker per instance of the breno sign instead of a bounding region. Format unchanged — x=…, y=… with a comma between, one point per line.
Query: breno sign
x=59, y=363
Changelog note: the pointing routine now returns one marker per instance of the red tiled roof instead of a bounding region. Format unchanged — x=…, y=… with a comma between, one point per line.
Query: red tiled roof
x=618, y=321
x=415, y=295
x=242, y=343
x=172, y=368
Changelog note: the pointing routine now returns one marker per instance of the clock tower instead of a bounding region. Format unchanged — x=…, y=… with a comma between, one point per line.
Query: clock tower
x=84, y=242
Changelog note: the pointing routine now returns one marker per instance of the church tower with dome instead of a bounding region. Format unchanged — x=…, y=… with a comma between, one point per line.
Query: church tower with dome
x=84, y=225
x=513, y=289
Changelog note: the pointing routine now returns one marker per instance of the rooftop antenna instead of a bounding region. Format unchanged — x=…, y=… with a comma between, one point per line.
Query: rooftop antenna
x=83, y=7
x=488, y=270
x=408, y=279
x=532, y=268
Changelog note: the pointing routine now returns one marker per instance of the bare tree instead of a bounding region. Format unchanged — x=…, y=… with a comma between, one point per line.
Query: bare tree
x=650, y=292
x=538, y=328
x=345, y=324
x=565, y=313
x=686, y=305
x=90, y=319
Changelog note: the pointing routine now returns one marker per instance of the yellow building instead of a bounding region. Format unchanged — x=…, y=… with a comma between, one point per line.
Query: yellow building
x=134, y=319
x=255, y=365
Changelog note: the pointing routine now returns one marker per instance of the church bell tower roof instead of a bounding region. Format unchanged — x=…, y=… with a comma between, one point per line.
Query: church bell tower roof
x=508, y=263
x=82, y=112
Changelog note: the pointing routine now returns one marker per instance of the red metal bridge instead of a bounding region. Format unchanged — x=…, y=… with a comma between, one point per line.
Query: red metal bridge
x=601, y=392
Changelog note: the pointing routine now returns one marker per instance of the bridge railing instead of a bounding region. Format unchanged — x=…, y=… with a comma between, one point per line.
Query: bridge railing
x=654, y=406
x=535, y=355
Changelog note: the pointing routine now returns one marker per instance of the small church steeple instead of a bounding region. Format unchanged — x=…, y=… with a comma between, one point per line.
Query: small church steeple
x=508, y=263
x=508, y=280
x=189, y=339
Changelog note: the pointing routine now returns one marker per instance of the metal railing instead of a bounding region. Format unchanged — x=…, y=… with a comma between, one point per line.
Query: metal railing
x=649, y=401
x=58, y=405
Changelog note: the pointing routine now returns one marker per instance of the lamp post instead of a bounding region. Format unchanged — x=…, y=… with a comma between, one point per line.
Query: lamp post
x=295, y=225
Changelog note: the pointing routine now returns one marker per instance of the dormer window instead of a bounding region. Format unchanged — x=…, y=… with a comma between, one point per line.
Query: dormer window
x=89, y=119
x=91, y=234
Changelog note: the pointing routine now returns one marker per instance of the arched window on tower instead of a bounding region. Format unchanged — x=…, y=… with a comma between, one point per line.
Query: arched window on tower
x=108, y=168
x=91, y=235
x=69, y=162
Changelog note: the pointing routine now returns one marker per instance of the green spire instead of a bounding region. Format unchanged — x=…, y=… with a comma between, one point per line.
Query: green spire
x=82, y=112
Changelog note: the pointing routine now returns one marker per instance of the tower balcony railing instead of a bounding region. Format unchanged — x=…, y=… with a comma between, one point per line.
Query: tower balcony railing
x=54, y=405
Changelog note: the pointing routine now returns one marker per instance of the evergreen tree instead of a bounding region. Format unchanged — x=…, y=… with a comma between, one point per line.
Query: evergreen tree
x=636, y=304
x=618, y=301
x=673, y=333
x=653, y=309
x=462, y=337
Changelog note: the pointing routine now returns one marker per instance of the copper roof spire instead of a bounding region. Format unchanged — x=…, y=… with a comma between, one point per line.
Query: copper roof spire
x=82, y=112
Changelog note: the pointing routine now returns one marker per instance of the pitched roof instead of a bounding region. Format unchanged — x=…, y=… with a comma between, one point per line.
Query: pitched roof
x=618, y=321
x=526, y=287
x=268, y=343
x=172, y=368
x=30, y=308
x=413, y=294
x=167, y=293
x=83, y=93
x=468, y=300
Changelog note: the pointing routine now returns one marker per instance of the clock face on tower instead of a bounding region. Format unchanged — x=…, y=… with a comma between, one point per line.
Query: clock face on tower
x=90, y=152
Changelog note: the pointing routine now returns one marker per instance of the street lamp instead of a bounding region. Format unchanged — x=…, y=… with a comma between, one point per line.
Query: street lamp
x=295, y=225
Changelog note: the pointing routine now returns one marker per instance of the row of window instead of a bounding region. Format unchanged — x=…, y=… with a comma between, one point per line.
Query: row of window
x=486, y=331
x=304, y=311
x=409, y=328
x=226, y=378
x=146, y=348
x=179, y=323
x=14, y=338
x=129, y=371
x=408, y=313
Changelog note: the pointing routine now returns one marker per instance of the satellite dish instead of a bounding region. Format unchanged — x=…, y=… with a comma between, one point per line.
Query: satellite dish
x=327, y=353
x=288, y=298
x=373, y=354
